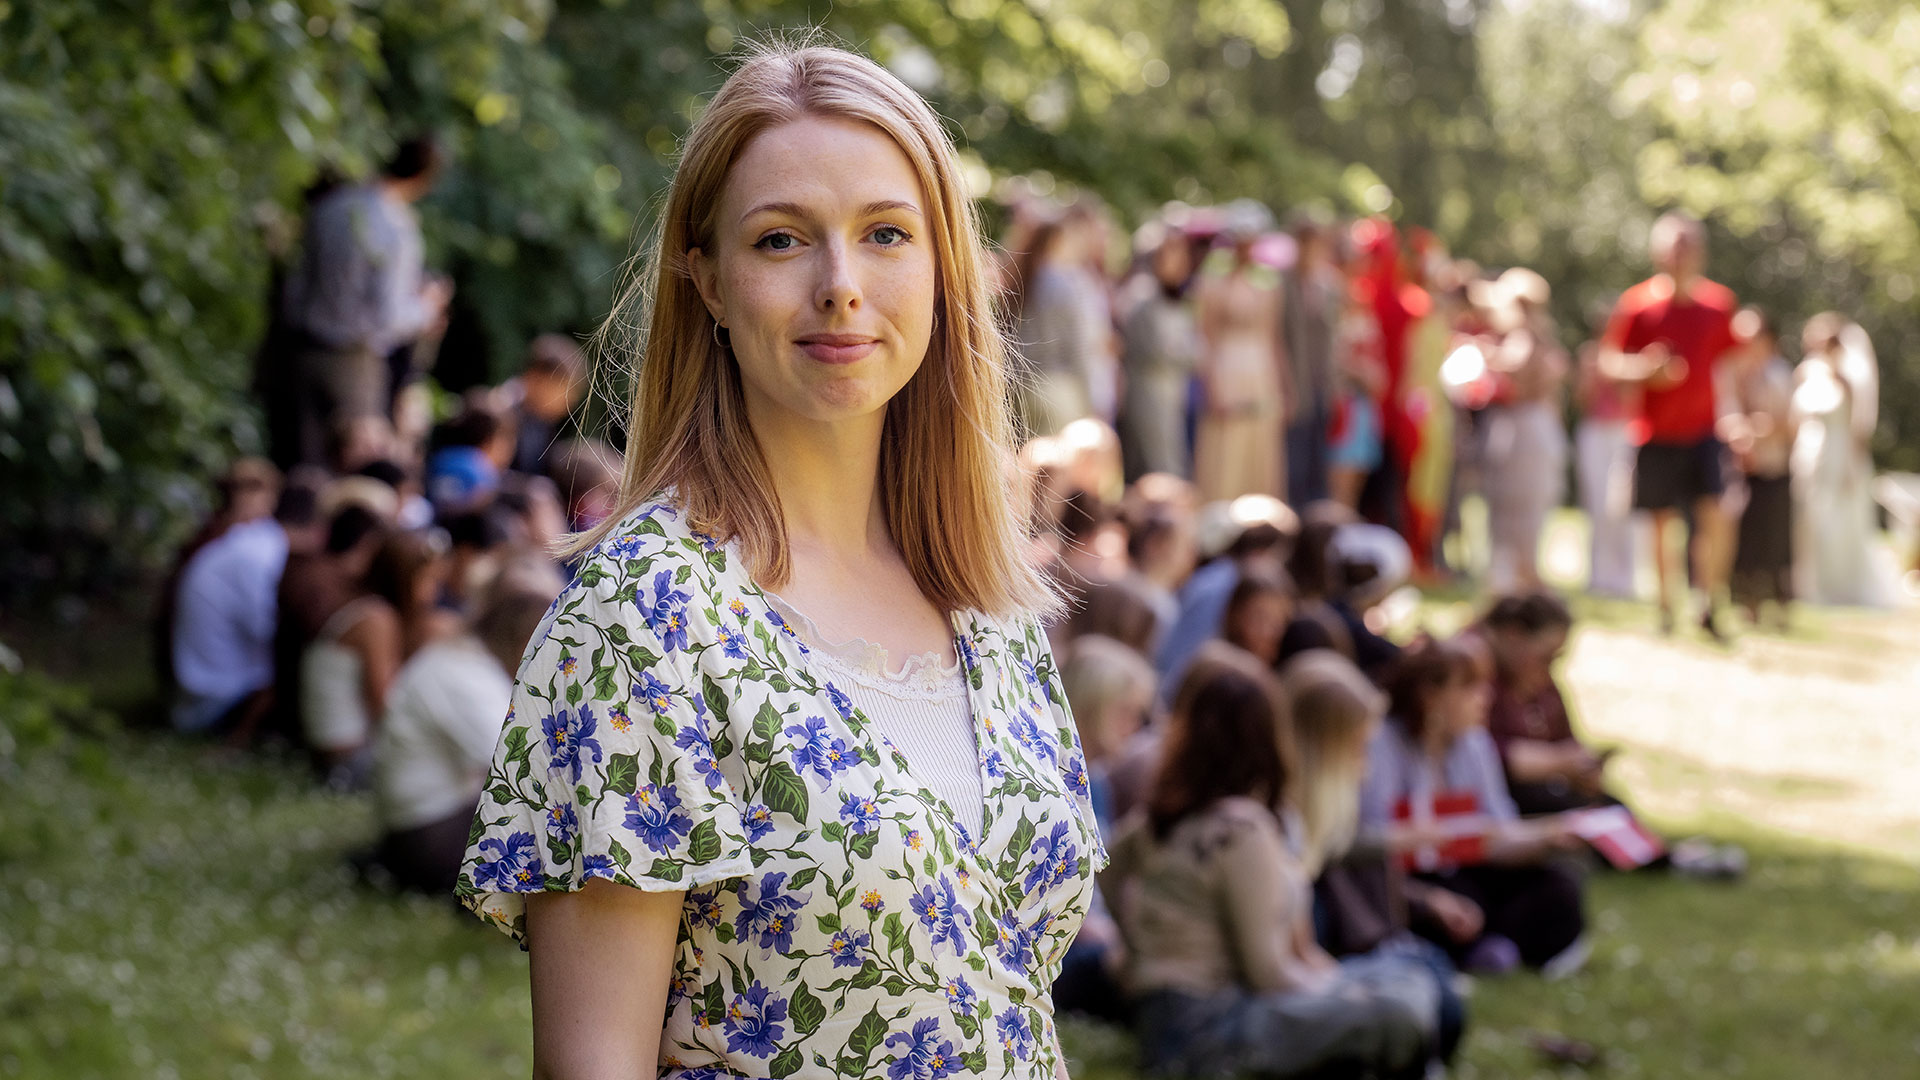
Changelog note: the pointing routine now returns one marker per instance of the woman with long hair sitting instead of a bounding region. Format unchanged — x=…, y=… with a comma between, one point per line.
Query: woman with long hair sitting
x=1359, y=907
x=1485, y=885
x=1210, y=899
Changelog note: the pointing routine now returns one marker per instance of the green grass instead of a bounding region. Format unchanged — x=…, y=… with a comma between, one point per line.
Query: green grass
x=171, y=910
x=175, y=911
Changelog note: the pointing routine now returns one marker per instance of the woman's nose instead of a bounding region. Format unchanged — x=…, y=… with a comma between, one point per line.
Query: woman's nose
x=838, y=288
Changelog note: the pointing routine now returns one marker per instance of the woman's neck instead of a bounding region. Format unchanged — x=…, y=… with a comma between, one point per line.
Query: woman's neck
x=1436, y=741
x=826, y=475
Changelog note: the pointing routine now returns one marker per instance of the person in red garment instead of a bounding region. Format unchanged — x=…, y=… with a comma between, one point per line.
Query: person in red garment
x=1396, y=302
x=1665, y=338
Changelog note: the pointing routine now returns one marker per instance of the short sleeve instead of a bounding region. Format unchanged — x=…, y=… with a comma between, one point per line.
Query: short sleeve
x=1489, y=779
x=606, y=765
x=1073, y=757
x=1380, y=788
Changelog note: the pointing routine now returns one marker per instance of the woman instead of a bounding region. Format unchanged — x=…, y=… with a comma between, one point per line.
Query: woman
x=739, y=842
x=1835, y=408
x=1259, y=612
x=1212, y=903
x=1239, y=447
x=1162, y=347
x=1064, y=328
x=1525, y=447
x=1485, y=887
x=1760, y=432
x=1359, y=901
x=347, y=669
x=442, y=719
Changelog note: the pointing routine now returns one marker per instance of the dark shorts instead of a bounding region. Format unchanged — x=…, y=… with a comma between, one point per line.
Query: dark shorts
x=1674, y=476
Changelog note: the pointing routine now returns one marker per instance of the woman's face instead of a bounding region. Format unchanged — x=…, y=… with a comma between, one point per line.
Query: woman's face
x=1461, y=705
x=1173, y=262
x=1261, y=622
x=822, y=270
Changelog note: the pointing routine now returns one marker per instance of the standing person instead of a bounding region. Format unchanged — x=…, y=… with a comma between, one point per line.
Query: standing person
x=1239, y=447
x=1603, y=463
x=1162, y=344
x=1526, y=446
x=1761, y=434
x=1355, y=444
x=1314, y=295
x=360, y=292
x=1433, y=304
x=1665, y=338
x=1062, y=324
x=743, y=842
x=1835, y=407
x=1382, y=288
x=1212, y=902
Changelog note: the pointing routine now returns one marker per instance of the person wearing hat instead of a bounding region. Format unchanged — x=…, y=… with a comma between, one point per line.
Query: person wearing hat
x=1526, y=443
x=1239, y=445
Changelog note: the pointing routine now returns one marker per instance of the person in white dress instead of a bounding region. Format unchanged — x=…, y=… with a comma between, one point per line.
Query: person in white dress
x=1835, y=408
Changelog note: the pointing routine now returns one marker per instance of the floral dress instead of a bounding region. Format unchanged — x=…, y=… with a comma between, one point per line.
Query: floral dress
x=669, y=732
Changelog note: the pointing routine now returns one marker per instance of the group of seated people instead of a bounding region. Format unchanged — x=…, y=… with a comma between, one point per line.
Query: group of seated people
x=1313, y=829
x=373, y=614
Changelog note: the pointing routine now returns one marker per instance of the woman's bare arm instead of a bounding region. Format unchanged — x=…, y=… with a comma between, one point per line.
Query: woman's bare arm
x=601, y=959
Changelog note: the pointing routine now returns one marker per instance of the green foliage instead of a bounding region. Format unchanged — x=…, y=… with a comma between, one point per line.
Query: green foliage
x=152, y=158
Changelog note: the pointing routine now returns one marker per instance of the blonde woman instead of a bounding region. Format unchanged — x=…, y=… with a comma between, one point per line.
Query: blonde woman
x=1358, y=902
x=1112, y=689
x=789, y=786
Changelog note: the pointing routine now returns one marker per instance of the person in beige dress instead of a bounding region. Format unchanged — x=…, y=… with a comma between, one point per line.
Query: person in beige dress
x=1239, y=446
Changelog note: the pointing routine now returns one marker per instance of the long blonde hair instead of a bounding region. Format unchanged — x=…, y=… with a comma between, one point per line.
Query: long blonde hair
x=1333, y=706
x=1096, y=673
x=948, y=435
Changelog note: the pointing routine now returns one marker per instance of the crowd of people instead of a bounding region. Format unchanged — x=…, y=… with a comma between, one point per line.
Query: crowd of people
x=1313, y=829
x=1353, y=363
x=1237, y=454
x=367, y=593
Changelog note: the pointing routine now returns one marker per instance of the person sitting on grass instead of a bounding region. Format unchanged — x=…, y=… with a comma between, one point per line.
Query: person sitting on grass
x=1359, y=905
x=1485, y=885
x=1549, y=769
x=1210, y=898
x=442, y=719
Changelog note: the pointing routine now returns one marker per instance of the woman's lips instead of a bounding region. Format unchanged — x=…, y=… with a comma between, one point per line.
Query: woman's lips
x=838, y=350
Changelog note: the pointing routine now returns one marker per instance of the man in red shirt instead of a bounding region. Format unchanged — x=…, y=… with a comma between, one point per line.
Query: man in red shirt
x=1665, y=338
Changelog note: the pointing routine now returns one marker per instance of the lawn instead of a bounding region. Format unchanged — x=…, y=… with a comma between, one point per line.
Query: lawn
x=171, y=910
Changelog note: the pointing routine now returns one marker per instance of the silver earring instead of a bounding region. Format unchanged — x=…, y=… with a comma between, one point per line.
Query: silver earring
x=716, y=336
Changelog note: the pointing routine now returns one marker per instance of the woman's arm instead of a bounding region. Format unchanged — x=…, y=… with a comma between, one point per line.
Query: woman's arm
x=1532, y=761
x=376, y=639
x=600, y=962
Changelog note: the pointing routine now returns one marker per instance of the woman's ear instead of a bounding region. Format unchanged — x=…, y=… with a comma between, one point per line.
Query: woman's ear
x=706, y=281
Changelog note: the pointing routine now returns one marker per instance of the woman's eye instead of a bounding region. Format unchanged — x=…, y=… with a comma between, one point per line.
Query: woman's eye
x=776, y=242
x=890, y=236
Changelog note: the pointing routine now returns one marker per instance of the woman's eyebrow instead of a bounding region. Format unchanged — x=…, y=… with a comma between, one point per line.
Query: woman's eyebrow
x=796, y=210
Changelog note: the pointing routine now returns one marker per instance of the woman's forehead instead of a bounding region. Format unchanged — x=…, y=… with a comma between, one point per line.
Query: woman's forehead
x=827, y=166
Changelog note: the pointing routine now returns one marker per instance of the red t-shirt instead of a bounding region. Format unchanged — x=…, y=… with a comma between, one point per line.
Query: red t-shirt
x=1699, y=329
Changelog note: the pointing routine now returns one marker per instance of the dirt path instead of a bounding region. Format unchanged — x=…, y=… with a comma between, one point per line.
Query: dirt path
x=1816, y=735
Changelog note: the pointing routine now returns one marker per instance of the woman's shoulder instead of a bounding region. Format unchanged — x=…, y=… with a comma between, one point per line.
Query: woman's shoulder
x=1230, y=824
x=650, y=588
